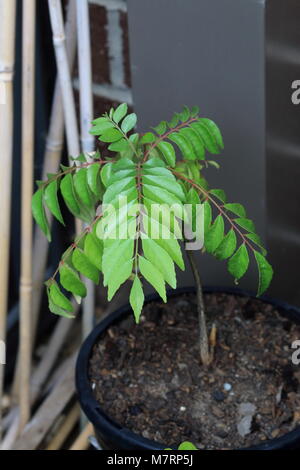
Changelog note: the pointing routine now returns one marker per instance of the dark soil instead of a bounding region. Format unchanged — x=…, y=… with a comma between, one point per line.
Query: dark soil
x=148, y=377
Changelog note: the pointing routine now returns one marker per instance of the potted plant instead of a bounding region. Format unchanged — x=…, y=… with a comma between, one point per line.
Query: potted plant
x=141, y=207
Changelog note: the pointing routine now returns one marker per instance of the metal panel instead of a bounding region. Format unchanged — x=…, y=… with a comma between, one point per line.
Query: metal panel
x=283, y=145
x=210, y=53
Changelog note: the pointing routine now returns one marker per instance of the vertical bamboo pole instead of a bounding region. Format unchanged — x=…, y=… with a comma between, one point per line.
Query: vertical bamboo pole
x=28, y=82
x=64, y=75
x=52, y=158
x=7, y=52
x=86, y=116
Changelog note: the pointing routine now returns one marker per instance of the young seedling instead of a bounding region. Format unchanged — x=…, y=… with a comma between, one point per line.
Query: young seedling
x=142, y=204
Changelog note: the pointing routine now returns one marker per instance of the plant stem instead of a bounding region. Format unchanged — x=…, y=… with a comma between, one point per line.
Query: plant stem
x=203, y=336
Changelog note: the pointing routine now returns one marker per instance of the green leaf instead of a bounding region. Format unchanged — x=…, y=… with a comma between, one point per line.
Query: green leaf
x=160, y=128
x=172, y=247
x=115, y=255
x=123, y=164
x=214, y=131
x=185, y=114
x=247, y=224
x=194, y=111
x=136, y=298
x=174, y=121
x=227, y=246
x=148, y=138
x=239, y=262
x=153, y=276
x=120, y=112
x=93, y=249
x=208, y=140
x=184, y=145
x=187, y=446
x=256, y=239
x=193, y=137
x=39, y=213
x=165, y=183
x=120, y=146
x=51, y=200
x=207, y=217
x=159, y=171
x=154, y=162
x=236, y=208
x=70, y=280
x=265, y=272
x=214, y=235
x=82, y=189
x=160, y=259
x=113, y=191
x=101, y=127
x=82, y=263
x=219, y=193
x=129, y=123
x=93, y=179
x=106, y=173
x=111, y=135
x=58, y=310
x=120, y=276
x=168, y=152
x=58, y=298
x=68, y=192
x=163, y=197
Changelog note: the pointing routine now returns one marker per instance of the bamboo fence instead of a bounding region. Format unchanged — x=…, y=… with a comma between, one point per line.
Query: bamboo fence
x=7, y=52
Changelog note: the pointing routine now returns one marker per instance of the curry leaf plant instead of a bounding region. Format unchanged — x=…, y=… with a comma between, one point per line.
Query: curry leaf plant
x=123, y=237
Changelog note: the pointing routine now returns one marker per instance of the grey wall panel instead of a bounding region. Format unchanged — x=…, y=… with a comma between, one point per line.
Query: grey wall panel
x=210, y=53
x=283, y=145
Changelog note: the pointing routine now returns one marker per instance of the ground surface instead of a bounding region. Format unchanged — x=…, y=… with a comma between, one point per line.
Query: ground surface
x=148, y=377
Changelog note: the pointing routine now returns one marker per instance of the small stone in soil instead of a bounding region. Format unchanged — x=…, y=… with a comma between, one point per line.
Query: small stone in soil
x=218, y=395
x=227, y=387
x=135, y=410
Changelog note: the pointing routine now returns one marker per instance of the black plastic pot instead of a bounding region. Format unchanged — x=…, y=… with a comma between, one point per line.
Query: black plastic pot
x=115, y=437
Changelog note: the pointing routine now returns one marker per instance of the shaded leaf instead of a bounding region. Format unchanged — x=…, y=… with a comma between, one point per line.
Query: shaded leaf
x=239, y=262
x=153, y=276
x=227, y=246
x=265, y=272
x=70, y=280
x=39, y=213
x=129, y=123
x=82, y=263
x=136, y=298
x=120, y=112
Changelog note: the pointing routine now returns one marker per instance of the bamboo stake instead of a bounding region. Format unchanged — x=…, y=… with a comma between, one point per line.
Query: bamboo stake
x=52, y=157
x=64, y=74
x=82, y=441
x=28, y=82
x=65, y=429
x=7, y=50
x=87, y=140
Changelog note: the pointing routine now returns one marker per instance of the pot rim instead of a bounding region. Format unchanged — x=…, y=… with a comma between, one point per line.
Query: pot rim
x=92, y=408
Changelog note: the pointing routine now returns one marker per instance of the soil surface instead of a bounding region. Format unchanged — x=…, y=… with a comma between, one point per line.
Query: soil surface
x=148, y=377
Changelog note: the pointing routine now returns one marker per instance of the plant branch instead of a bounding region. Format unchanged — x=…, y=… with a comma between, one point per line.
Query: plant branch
x=203, y=336
x=218, y=206
x=165, y=135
